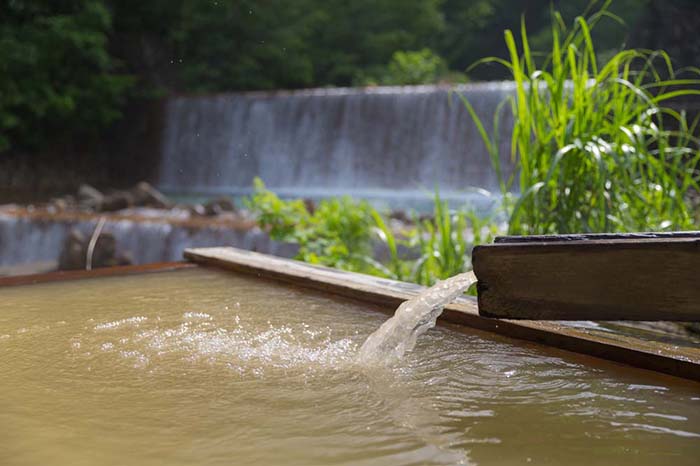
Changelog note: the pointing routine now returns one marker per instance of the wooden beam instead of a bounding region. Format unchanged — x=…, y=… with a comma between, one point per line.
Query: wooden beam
x=591, y=277
x=463, y=313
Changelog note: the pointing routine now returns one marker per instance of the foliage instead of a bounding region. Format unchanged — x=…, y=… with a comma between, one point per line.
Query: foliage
x=63, y=62
x=343, y=233
x=409, y=68
x=443, y=242
x=595, y=149
x=244, y=44
x=337, y=233
x=56, y=75
x=473, y=29
x=357, y=37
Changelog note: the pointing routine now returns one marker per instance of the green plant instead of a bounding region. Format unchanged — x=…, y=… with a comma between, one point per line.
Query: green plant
x=336, y=234
x=446, y=242
x=592, y=144
x=342, y=233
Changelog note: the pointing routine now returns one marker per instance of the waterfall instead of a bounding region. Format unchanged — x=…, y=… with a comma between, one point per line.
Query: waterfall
x=26, y=239
x=374, y=142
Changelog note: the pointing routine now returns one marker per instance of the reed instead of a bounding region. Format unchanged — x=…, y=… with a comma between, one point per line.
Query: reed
x=595, y=145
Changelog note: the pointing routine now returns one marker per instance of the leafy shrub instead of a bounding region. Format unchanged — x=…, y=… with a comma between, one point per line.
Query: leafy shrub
x=411, y=68
x=593, y=145
x=342, y=233
x=336, y=234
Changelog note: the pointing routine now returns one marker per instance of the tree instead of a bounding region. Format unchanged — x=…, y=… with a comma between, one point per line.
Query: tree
x=56, y=76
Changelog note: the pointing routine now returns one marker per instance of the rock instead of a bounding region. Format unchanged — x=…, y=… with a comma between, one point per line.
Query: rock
x=310, y=205
x=219, y=205
x=401, y=216
x=89, y=197
x=146, y=195
x=196, y=210
x=124, y=259
x=61, y=204
x=117, y=200
x=75, y=251
x=104, y=252
x=72, y=255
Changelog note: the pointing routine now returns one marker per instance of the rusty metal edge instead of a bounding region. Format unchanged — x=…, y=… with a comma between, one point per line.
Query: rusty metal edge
x=551, y=335
x=20, y=280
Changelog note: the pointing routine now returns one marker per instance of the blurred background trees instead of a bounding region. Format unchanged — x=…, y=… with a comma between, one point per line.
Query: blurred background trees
x=67, y=67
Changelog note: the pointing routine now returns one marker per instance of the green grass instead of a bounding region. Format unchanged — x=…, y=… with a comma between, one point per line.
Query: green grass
x=594, y=147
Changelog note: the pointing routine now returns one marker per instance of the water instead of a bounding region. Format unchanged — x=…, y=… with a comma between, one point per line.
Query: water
x=382, y=143
x=412, y=319
x=200, y=367
x=29, y=240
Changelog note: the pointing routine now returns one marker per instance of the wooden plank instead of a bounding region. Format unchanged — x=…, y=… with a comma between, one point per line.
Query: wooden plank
x=590, y=279
x=596, y=236
x=661, y=357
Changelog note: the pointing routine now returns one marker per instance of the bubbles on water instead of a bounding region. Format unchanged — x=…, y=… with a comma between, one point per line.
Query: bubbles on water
x=246, y=348
x=131, y=321
x=196, y=316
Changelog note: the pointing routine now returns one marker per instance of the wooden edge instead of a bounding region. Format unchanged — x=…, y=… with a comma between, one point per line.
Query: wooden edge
x=464, y=312
x=65, y=275
x=594, y=237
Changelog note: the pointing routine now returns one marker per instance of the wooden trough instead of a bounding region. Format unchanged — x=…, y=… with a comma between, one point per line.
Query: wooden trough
x=663, y=357
x=462, y=315
x=639, y=276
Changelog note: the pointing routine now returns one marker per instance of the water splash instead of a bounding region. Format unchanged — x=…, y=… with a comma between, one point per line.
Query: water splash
x=413, y=318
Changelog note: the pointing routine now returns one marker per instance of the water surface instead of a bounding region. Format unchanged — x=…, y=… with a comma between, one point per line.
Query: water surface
x=200, y=367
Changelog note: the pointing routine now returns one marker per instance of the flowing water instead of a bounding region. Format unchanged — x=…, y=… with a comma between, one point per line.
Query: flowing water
x=383, y=142
x=27, y=240
x=413, y=318
x=201, y=367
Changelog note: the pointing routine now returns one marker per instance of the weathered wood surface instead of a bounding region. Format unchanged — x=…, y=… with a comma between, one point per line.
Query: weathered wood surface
x=660, y=357
x=596, y=236
x=625, y=278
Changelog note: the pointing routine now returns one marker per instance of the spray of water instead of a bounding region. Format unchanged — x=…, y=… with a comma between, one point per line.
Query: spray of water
x=398, y=335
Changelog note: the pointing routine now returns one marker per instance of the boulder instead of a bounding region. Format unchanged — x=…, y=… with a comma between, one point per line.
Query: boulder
x=219, y=205
x=117, y=200
x=196, y=210
x=72, y=255
x=75, y=250
x=89, y=197
x=146, y=195
x=310, y=205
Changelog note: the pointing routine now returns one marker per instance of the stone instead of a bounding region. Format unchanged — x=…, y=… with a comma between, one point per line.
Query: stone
x=75, y=251
x=117, y=200
x=196, y=210
x=89, y=197
x=310, y=205
x=146, y=195
x=72, y=255
x=219, y=205
x=104, y=252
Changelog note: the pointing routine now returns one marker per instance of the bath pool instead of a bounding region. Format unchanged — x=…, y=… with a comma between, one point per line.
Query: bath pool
x=206, y=367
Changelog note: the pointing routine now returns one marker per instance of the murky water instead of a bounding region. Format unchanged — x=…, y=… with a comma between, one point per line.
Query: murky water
x=205, y=368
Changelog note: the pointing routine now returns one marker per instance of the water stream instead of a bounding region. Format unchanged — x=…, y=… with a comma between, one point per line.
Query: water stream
x=413, y=318
x=380, y=143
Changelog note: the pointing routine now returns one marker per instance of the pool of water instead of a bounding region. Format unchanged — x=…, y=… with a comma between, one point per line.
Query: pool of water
x=201, y=367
